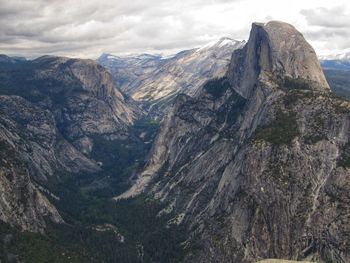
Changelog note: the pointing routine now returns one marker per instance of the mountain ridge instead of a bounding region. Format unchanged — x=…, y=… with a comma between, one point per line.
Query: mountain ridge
x=157, y=80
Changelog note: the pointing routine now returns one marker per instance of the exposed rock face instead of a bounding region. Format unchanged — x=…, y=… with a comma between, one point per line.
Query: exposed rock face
x=21, y=202
x=257, y=166
x=156, y=79
x=32, y=132
x=50, y=110
x=278, y=49
x=92, y=104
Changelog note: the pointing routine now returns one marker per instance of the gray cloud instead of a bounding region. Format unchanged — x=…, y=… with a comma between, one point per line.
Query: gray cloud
x=35, y=27
x=327, y=17
x=88, y=28
x=330, y=25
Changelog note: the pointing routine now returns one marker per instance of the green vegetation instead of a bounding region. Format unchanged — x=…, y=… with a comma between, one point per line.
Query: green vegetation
x=148, y=125
x=282, y=130
x=119, y=159
x=61, y=244
x=313, y=138
x=146, y=237
x=293, y=96
x=318, y=127
x=136, y=220
x=135, y=234
x=281, y=261
x=231, y=111
x=296, y=83
x=217, y=87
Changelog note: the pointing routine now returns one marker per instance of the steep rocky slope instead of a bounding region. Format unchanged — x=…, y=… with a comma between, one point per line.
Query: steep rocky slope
x=21, y=202
x=156, y=79
x=51, y=111
x=257, y=166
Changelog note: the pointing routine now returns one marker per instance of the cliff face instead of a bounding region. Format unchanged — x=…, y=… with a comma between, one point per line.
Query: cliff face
x=84, y=99
x=257, y=166
x=51, y=109
x=276, y=49
x=21, y=201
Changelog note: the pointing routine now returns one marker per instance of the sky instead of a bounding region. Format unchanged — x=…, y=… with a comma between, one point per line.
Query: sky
x=88, y=28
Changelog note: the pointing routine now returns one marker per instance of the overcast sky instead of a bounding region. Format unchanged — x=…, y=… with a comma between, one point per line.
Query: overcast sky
x=90, y=27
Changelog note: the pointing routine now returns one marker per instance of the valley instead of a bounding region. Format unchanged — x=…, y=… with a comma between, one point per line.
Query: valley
x=104, y=152
x=233, y=152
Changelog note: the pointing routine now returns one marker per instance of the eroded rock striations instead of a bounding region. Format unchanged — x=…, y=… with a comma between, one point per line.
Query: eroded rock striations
x=258, y=165
x=51, y=109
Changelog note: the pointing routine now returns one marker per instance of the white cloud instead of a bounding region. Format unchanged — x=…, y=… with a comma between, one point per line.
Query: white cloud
x=88, y=28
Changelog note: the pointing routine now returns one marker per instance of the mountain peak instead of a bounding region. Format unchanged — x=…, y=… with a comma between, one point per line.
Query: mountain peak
x=222, y=42
x=291, y=54
x=11, y=59
x=279, y=49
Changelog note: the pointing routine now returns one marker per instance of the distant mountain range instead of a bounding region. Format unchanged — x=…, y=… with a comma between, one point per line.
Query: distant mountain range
x=337, y=72
x=155, y=79
x=336, y=56
x=336, y=64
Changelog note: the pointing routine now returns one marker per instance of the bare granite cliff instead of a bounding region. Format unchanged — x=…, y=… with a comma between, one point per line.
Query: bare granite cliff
x=258, y=165
x=275, y=48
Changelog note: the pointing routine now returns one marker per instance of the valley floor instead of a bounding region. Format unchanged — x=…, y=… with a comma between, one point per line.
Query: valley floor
x=280, y=261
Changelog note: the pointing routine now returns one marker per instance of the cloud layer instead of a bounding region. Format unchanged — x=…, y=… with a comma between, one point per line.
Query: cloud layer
x=88, y=28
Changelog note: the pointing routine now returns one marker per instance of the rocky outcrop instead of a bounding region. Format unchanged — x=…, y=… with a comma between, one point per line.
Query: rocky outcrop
x=278, y=49
x=21, y=202
x=33, y=133
x=88, y=102
x=51, y=111
x=257, y=165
